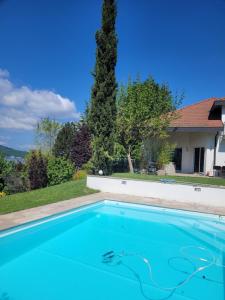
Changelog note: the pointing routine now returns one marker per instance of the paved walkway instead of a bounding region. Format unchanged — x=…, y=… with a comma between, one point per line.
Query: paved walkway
x=23, y=216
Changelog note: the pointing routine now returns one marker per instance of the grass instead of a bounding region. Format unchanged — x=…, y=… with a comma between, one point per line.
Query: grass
x=64, y=191
x=183, y=179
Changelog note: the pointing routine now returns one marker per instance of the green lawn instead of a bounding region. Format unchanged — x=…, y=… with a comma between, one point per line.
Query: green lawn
x=183, y=179
x=47, y=195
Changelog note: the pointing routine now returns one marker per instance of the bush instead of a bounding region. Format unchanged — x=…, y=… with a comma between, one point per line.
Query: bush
x=59, y=170
x=165, y=155
x=81, y=174
x=2, y=194
x=37, y=170
x=5, y=169
x=16, y=182
x=88, y=167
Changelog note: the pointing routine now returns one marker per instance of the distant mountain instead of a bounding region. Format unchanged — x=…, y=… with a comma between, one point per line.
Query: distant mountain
x=6, y=151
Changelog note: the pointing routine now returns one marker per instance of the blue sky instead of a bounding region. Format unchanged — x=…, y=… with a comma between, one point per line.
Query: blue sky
x=47, y=54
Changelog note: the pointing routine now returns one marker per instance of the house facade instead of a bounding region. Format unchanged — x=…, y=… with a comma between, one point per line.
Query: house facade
x=199, y=135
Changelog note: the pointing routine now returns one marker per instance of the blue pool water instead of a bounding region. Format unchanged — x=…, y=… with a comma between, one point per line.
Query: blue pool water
x=112, y=250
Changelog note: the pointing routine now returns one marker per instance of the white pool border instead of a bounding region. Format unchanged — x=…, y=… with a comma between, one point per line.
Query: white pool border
x=35, y=223
x=101, y=203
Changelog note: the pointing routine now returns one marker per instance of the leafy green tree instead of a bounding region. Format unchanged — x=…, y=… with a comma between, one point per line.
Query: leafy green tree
x=46, y=133
x=64, y=140
x=59, y=170
x=102, y=110
x=144, y=111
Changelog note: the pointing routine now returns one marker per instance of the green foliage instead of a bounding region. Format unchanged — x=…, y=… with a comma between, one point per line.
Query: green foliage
x=17, y=181
x=102, y=110
x=5, y=169
x=36, y=170
x=165, y=155
x=88, y=167
x=46, y=133
x=80, y=174
x=64, y=140
x=145, y=110
x=12, y=177
x=2, y=194
x=73, y=142
x=59, y=170
x=157, y=150
x=101, y=159
x=119, y=151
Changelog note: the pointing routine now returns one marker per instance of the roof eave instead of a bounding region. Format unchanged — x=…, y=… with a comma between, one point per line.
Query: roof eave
x=194, y=129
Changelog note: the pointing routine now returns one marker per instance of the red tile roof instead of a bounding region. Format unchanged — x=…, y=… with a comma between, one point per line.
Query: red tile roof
x=197, y=115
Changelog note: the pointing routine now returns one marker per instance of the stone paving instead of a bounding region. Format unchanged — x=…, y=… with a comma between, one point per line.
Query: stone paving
x=23, y=216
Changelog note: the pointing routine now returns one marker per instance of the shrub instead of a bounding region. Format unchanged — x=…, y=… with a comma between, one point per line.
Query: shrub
x=5, y=169
x=2, y=194
x=88, y=167
x=16, y=182
x=165, y=155
x=80, y=174
x=37, y=170
x=59, y=170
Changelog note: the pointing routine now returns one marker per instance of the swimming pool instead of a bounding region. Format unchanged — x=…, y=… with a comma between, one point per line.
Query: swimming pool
x=112, y=250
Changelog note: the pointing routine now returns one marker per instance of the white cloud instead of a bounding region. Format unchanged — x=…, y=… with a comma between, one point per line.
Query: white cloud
x=4, y=73
x=21, y=107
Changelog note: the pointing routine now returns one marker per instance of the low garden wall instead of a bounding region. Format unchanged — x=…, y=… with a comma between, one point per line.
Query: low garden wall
x=205, y=195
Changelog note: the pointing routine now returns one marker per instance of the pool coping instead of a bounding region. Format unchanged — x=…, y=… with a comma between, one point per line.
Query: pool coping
x=32, y=214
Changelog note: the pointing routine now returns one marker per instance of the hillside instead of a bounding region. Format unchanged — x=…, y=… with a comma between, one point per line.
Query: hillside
x=6, y=151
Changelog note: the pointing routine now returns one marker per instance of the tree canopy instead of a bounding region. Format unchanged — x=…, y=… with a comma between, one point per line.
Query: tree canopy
x=144, y=110
x=46, y=133
x=80, y=152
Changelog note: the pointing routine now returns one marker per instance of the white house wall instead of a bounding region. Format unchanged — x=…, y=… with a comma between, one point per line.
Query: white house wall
x=223, y=114
x=190, y=140
x=220, y=149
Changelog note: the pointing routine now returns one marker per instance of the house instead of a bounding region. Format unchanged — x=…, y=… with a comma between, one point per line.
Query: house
x=199, y=135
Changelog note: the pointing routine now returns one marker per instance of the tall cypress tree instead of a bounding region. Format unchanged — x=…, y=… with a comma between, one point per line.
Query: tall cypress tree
x=102, y=113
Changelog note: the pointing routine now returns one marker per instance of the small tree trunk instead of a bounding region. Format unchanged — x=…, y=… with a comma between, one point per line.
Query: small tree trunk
x=131, y=168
